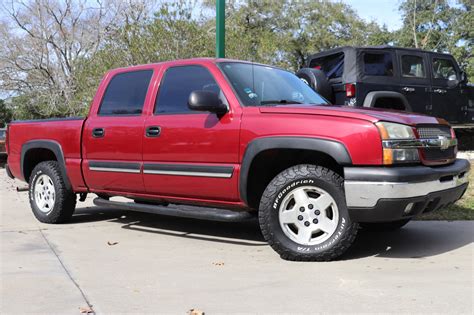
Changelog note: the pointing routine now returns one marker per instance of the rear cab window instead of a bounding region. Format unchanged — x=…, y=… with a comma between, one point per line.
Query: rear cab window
x=378, y=64
x=332, y=65
x=125, y=93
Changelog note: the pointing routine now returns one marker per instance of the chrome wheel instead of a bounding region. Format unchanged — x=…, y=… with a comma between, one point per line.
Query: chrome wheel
x=308, y=215
x=44, y=193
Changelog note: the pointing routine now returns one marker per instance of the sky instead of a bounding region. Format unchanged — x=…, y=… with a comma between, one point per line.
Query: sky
x=382, y=11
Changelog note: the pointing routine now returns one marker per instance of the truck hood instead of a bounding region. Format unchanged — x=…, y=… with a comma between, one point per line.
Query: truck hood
x=368, y=114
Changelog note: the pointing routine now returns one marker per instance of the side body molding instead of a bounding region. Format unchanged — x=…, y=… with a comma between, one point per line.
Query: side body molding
x=335, y=149
x=51, y=145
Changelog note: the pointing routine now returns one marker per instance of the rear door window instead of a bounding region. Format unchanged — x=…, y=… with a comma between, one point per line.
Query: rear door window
x=413, y=67
x=378, y=64
x=444, y=69
x=332, y=65
x=126, y=93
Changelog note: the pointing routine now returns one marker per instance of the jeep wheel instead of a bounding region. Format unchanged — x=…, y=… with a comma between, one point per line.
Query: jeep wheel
x=50, y=201
x=303, y=214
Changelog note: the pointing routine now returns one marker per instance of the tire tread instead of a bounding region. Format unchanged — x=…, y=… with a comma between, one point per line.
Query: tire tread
x=288, y=175
x=65, y=202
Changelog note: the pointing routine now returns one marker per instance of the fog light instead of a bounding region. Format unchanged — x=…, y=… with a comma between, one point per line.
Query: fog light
x=408, y=208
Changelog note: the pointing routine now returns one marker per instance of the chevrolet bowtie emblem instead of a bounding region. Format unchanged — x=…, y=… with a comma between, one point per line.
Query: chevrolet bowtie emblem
x=444, y=142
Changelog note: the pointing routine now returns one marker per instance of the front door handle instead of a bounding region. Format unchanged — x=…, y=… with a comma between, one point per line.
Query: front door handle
x=98, y=132
x=153, y=131
x=408, y=89
x=440, y=91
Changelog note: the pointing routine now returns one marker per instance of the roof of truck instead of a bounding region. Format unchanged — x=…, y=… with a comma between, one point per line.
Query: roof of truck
x=183, y=61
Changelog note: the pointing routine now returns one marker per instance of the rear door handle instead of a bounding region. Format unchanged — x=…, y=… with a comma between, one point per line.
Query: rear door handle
x=440, y=91
x=153, y=131
x=98, y=132
x=408, y=89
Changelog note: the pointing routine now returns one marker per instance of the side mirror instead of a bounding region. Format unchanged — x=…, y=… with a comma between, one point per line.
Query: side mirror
x=206, y=101
x=453, y=83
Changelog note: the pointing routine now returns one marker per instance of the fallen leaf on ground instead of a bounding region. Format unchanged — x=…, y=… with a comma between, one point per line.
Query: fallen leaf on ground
x=85, y=310
x=219, y=263
x=112, y=243
x=194, y=311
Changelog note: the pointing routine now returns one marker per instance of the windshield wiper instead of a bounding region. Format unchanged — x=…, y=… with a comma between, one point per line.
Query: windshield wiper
x=278, y=102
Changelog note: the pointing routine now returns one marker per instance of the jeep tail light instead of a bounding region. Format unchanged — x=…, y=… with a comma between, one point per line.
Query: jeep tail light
x=350, y=90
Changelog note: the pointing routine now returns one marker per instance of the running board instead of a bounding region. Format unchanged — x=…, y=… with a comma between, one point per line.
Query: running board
x=202, y=213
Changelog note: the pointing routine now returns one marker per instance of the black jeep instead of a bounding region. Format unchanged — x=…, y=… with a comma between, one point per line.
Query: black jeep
x=395, y=78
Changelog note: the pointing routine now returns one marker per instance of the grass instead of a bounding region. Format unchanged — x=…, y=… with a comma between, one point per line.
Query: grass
x=461, y=210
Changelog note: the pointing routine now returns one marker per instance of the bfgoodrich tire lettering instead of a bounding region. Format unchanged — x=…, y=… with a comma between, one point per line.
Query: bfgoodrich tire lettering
x=303, y=176
x=64, y=199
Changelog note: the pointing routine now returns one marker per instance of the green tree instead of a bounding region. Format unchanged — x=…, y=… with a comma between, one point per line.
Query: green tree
x=174, y=31
x=285, y=32
x=6, y=113
x=440, y=25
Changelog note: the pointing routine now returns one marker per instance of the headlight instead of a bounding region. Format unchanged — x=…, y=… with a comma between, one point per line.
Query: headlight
x=392, y=134
x=395, y=131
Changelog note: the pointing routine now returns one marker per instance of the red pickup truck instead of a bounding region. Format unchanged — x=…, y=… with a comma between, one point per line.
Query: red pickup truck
x=231, y=140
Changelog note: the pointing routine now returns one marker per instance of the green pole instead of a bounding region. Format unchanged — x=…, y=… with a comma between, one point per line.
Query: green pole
x=220, y=28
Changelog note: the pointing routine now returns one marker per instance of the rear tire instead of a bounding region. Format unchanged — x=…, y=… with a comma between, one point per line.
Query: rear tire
x=385, y=226
x=50, y=200
x=303, y=214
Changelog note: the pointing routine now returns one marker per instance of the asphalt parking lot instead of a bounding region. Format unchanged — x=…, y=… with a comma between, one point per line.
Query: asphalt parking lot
x=124, y=262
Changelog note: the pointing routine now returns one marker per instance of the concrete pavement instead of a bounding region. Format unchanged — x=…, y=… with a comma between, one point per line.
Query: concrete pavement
x=170, y=265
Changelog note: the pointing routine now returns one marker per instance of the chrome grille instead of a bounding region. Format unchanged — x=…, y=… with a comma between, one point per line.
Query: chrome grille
x=433, y=132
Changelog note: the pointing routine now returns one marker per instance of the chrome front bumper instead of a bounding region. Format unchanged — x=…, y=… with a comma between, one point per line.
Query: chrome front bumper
x=367, y=194
x=365, y=187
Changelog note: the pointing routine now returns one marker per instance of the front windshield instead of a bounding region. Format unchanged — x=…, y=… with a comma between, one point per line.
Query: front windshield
x=259, y=85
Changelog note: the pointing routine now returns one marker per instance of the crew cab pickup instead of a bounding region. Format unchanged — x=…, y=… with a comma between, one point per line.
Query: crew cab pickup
x=231, y=140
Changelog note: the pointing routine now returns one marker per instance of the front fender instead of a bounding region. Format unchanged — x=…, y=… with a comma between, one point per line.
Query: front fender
x=334, y=149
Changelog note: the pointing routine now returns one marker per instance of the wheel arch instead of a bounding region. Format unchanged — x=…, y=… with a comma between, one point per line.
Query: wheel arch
x=37, y=151
x=372, y=97
x=329, y=153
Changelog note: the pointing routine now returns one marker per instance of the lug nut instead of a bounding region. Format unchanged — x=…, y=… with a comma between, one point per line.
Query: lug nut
x=310, y=206
x=302, y=209
x=315, y=221
x=307, y=223
x=300, y=217
x=317, y=212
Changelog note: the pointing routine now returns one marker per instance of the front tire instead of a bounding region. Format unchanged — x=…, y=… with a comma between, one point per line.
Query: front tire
x=303, y=214
x=50, y=200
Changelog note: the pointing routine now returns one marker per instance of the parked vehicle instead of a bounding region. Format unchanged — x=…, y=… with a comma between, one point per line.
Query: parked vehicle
x=229, y=140
x=393, y=78
x=2, y=141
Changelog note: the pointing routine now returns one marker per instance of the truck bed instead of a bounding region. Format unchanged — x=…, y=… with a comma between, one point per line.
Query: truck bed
x=64, y=131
